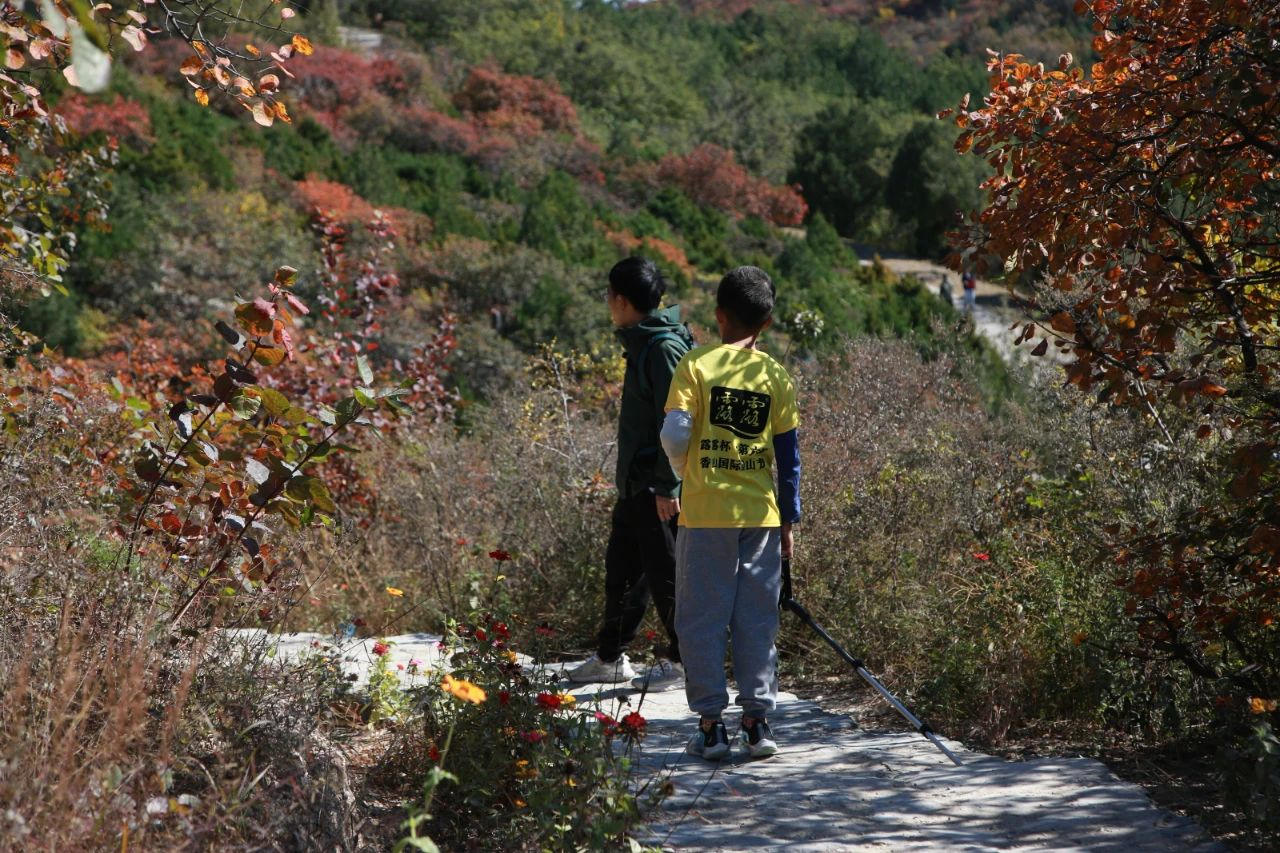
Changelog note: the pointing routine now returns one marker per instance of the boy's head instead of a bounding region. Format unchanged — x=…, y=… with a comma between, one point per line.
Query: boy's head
x=744, y=300
x=639, y=283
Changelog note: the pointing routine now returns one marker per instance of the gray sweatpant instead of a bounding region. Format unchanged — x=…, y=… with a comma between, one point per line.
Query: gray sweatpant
x=727, y=581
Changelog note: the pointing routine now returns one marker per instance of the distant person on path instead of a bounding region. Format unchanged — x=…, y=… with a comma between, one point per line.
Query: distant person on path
x=970, y=285
x=640, y=557
x=944, y=291
x=731, y=415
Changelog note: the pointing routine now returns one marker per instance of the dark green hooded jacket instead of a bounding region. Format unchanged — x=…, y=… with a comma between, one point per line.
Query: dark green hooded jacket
x=642, y=466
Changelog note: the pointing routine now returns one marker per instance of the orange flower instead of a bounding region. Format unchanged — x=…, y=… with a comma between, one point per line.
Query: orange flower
x=464, y=690
x=1262, y=706
x=398, y=593
x=1078, y=637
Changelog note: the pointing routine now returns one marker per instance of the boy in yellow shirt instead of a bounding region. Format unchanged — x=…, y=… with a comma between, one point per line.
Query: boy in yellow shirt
x=731, y=415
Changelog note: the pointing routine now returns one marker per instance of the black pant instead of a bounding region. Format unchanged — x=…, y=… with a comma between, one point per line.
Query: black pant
x=640, y=560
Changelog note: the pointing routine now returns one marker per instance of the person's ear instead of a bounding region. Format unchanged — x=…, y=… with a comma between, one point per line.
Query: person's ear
x=722, y=319
x=768, y=321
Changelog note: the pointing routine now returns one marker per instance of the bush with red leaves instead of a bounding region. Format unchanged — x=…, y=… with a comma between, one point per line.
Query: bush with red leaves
x=710, y=175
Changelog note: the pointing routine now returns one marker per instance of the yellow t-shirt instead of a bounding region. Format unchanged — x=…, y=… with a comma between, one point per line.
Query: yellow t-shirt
x=739, y=400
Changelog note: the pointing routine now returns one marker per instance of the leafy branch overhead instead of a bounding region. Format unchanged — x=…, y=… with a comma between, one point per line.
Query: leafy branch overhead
x=1141, y=197
x=241, y=454
x=77, y=40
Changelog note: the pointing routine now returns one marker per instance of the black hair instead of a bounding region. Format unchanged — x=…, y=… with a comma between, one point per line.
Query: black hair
x=639, y=280
x=746, y=295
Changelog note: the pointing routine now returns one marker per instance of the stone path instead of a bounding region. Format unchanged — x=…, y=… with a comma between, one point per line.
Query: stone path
x=992, y=315
x=836, y=787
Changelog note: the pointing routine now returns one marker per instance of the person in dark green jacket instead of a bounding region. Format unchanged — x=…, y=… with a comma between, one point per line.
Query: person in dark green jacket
x=640, y=557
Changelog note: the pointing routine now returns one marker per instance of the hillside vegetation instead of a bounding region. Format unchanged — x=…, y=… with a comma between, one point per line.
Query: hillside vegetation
x=323, y=347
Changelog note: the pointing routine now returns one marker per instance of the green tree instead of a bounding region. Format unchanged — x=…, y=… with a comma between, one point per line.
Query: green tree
x=842, y=161
x=559, y=221
x=929, y=184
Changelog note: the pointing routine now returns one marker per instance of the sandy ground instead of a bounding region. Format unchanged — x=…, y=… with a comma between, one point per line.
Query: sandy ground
x=838, y=787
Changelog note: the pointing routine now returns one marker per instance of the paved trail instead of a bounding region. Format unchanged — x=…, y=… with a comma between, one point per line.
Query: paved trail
x=836, y=787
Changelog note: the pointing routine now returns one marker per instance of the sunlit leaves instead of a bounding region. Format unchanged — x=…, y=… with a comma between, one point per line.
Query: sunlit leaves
x=254, y=319
x=1144, y=194
x=243, y=453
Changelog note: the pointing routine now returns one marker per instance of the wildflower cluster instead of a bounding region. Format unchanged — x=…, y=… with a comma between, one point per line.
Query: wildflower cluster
x=525, y=761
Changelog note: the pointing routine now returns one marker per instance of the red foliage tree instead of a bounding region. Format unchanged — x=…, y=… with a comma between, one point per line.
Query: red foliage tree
x=510, y=101
x=710, y=175
x=119, y=119
x=332, y=200
x=1144, y=194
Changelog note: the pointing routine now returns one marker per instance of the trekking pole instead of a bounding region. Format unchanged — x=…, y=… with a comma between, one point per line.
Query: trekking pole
x=795, y=607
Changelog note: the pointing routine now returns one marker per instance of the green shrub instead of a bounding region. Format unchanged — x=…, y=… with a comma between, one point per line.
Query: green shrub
x=704, y=230
x=559, y=221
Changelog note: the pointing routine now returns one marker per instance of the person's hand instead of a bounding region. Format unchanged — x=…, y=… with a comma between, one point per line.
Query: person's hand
x=668, y=508
x=786, y=541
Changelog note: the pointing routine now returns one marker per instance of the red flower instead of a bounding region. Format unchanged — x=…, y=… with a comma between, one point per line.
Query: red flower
x=544, y=630
x=501, y=629
x=500, y=555
x=504, y=697
x=481, y=635
x=380, y=648
x=461, y=540
x=608, y=724
x=633, y=725
x=433, y=753
x=982, y=555
x=548, y=701
x=534, y=736
x=651, y=635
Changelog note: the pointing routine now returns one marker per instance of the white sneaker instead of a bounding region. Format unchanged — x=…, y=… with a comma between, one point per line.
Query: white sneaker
x=759, y=739
x=594, y=669
x=663, y=675
x=712, y=745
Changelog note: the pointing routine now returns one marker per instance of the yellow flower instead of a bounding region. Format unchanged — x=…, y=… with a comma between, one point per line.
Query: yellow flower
x=510, y=655
x=567, y=699
x=391, y=590
x=464, y=690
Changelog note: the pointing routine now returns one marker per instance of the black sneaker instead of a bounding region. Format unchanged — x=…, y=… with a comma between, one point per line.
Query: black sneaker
x=712, y=744
x=758, y=739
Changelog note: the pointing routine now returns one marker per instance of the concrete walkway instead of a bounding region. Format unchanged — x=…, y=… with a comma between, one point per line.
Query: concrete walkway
x=836, y=787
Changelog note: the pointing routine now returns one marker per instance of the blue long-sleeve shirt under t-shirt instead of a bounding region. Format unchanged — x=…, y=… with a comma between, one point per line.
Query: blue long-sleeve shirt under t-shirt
x=786, y=455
